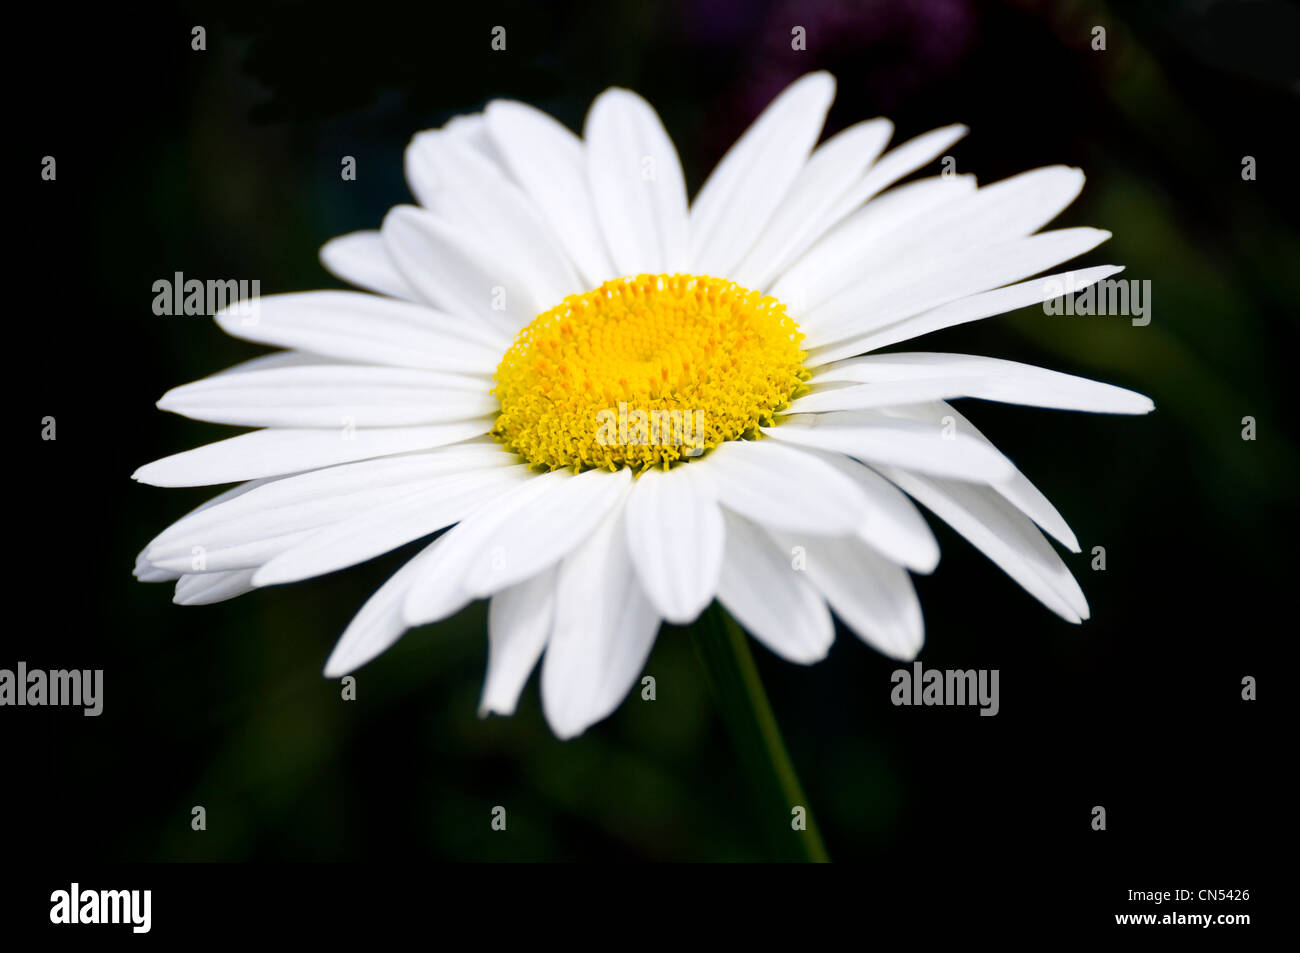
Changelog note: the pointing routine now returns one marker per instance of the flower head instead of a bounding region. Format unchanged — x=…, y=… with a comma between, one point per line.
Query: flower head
x=620, y=407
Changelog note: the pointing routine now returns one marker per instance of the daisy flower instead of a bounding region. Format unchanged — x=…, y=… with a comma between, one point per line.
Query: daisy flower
x=620, y=406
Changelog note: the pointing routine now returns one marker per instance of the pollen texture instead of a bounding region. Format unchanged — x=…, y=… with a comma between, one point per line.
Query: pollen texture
x=647, y=370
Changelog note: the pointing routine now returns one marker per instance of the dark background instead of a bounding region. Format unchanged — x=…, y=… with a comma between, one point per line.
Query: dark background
x=224, y=164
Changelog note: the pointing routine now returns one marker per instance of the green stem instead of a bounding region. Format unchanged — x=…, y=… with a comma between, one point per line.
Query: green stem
x=724, y=649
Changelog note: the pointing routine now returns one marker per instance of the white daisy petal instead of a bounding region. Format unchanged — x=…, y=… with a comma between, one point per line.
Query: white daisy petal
x=224, y=497
x=783, y=487
x=338, y=397
x=425, y=159
x=380, y=623
x=145, y=571
x=421, y=174
x=836, y=260
x=148, y=573
x=887, y=235
x=539, y=538
x=871, y=595
x=368, y=329
x=266, y=453
x=925, y=220
x=265, y=362
x=528, y=528
x=894, y=526
x=1016, y=489
x=245, y=530
x=361, y=259
x=893, y=165
x=477, y=199
x=636, y=184
x=1012, y=208
x=964, y=375
x=551, y=164
x=223, y=554
x=841, y=254
x=831, y=170
x=1003, y=534
x=877, y=438
x=972, y=308
x=928, y=282
x=1028, y=499
x=520, y=620
x=676, y=537
x=202, y=589
x=835, y=396
x=744, y=191
x=473, y=129
x=459, y=273
x=379, y=529
x=604, y=629
x=771, y=598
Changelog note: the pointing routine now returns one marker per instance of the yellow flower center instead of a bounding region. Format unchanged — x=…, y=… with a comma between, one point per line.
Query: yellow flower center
x=644, y=371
